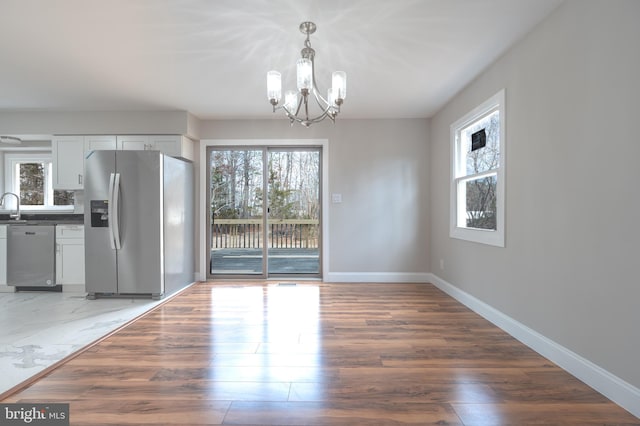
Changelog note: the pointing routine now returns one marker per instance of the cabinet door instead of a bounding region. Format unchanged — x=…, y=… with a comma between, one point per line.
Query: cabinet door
x=93, y=143
x=70, y=261
x=173, y=145
x=68, y=162
x=137, y=143
x=70, y=254
x=168, y=145
x=3, y=255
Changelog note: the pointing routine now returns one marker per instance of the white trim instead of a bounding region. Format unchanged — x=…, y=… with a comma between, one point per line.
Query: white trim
x=205, y=143
x=622, y=393
x=378, y=277
x=483, y=236
x=10, y=177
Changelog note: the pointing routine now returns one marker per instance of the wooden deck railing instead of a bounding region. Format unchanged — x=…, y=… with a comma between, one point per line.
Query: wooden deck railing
x=249, y=233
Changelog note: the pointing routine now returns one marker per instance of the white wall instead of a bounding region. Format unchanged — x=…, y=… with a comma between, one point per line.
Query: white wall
x=96, y=123
x=570, y=267
x=380, y=230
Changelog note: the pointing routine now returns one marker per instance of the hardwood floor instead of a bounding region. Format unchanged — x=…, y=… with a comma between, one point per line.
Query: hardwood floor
x=317, y=354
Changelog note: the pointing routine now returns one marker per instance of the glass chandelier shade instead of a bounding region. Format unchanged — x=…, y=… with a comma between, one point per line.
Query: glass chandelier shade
x=339, y=84
x=297, y=104
x=291, y=100
x=304, y=72
x=274, y=85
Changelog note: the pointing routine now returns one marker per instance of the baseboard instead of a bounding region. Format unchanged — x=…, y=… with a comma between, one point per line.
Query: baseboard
x=622, y=393
x=377, y=277
x=366, y=277
x=73, y=288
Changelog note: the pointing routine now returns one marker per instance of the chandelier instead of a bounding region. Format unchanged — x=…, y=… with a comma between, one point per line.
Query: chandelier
x=296, y=104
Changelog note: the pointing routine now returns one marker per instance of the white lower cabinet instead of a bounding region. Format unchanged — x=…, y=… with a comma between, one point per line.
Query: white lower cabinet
x=70, y=255
x=4, y=288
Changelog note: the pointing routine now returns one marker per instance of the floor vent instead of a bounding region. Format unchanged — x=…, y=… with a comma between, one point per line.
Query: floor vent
x=287, y=284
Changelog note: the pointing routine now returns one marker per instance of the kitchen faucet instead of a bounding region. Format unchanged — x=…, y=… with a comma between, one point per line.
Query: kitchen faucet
x=15, y=215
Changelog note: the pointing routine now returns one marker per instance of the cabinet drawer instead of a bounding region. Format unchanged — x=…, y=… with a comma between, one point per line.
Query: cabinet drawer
x=70, y=231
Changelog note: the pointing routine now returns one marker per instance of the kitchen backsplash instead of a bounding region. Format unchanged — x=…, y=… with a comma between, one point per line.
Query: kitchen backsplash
x=78, y=205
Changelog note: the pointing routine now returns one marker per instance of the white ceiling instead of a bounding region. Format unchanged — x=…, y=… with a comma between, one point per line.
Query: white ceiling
x=403, y=58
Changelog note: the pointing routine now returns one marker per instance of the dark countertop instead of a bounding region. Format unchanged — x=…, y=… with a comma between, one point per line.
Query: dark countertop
x=44, y=218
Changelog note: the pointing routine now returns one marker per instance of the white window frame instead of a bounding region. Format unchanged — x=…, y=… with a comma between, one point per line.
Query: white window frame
x=484, y=236
x=12, y=182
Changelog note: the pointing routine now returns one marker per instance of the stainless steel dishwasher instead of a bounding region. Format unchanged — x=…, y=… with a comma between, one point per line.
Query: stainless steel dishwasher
x=31, y=255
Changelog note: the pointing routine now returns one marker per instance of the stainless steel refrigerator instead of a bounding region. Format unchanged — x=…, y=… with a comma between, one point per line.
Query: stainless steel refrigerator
x=139, y=224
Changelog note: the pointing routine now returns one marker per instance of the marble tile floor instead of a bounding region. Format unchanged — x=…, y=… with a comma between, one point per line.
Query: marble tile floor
x=38, y=329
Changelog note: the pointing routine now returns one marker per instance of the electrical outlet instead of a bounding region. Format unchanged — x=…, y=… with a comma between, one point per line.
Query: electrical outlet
x=442, y=264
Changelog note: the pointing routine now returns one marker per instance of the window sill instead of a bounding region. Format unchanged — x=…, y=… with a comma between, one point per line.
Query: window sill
x=481, y=236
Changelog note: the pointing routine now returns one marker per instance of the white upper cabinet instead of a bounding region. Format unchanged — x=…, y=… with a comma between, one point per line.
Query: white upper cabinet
x=68, y=162
x=134, y=143
x=99, y=143
x=172, y=145
x=69, y=153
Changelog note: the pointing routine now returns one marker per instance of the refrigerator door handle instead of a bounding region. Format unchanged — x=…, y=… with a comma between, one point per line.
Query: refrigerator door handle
x=116, y=221
x=110, y=215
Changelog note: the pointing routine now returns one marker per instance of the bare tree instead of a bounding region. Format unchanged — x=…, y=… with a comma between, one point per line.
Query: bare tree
x=481, y=192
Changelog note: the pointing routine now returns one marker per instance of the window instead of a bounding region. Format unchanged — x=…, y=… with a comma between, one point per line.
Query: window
x=477, y=174
x=29, y=176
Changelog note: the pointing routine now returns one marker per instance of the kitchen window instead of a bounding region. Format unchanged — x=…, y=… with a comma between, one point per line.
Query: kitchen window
x=477, y=174
x=30, y=176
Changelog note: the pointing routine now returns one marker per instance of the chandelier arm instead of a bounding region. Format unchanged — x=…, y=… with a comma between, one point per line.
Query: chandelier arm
x=299, y=105
x=319, y=118
x=326, y=112
x=322, y=102
x=314, y=88
x=311, y=120
x=306, y=107
x=326, y=109
x=316, y=119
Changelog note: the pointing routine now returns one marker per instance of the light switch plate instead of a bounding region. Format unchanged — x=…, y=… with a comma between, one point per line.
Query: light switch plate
x=336, y=198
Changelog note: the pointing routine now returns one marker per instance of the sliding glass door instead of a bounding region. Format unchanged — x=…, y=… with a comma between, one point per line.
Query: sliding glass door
x=265, y=212
x=294, y=211
x=236, y=211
